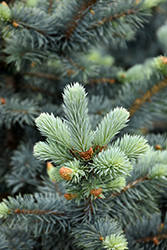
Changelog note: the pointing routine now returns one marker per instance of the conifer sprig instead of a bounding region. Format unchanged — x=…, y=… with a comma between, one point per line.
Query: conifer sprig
x=51, y=151
x=76, y=111
x=54, y=128
x=89, y=166
x=110, y=125
x=128, y=145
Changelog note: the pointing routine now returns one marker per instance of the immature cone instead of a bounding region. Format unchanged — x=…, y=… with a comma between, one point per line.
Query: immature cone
x=96, y=192
x=70, y=196
x=65, y=173
x=87, y=154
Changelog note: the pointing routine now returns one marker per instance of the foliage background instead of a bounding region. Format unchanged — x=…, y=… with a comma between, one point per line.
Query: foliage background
x=34, y=84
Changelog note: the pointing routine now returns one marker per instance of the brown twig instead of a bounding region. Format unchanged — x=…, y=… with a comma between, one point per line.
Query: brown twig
x=50, y=6
x=42, y=75
x=37, y=211
x=146, y=96
x=131, y=185
x=114, y=17
x=36, y=89
x=79, y=16
x=103, y=80
x=155, y=239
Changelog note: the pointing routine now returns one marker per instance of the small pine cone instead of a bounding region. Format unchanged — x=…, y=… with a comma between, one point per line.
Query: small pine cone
x=65, y=173
x=70, y=196
x=87, y=154
x=96, y=192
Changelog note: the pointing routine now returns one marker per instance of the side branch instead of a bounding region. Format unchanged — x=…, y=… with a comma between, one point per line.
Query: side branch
x=79, y=16
x=17, y=23
x=36, y=89
x=146, y=97
x=156, y=239
x=131, y=185
x=42, y=75
x=103, y=80
x=114, y=17
x=26, y=211
x=50, y=6
x=74, y=64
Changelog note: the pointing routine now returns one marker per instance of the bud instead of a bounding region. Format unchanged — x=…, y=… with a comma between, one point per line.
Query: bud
x=156, y=240
x=87, y=154
x=2, y=100
x=96, y=192
x=49, y=165
x=65, y=173
x=158, y=147
x=70, y=196
x=101, y=238
x=15, y=24
x=160, y=64
x=33, y=64
x=50, y=169
x=99, y=148
x=92, y=11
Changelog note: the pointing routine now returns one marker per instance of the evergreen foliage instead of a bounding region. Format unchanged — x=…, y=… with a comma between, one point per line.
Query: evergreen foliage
x=96, y=178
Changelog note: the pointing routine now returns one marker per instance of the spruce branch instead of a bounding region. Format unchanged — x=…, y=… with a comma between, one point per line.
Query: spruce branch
x=150, y=232
x=33, y=20
x=23, y=53
x=48, y=7
x=131, y=185
x=102, y=80
x=40, y=209
x=114, y=17
x=155, y=239
x=98, y=187
x=16, y=239
x=89, y=167
x=83, y=8
x=42, y=75
x=146, y=96
x=101, y=234
x=37, y=89
x=21, y=111
x=74, y=63
x=145, y=179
